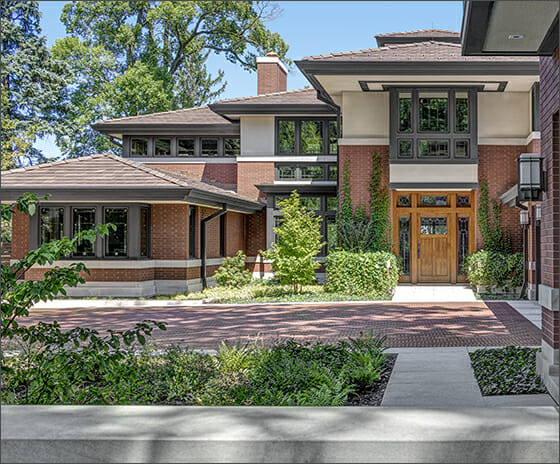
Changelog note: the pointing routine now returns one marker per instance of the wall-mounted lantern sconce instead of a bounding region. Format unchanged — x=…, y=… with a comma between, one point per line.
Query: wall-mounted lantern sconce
x=530, y=177
x=538, y=214
x=524, y=218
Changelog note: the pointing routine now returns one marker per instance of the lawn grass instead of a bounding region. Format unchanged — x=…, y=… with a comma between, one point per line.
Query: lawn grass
x=351, y=372
x=507, y=371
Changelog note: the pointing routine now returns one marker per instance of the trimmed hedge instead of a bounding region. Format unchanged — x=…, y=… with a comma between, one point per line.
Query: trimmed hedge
x=373, y=273
x=493, y=268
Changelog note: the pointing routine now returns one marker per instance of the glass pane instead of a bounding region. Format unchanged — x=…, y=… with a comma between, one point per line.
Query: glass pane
x=405, y=113
x=433, y=226
x=433, y=200
x=52, y=223
x=138, y=147
x=332, y=203
x=232, y=147
x=333, y=172
x=311, y=203
x=405, y=148
x=404, y=243
x=463, y=200
x=461, y=149
x=185, y=147
x=311, y=137
x=312, y=172
x=83, y=219
x=116, y=241
x=433, y=113
x=433, y=148
x=209, y=147
x=144, y=232
x=162, y=147
x=286, y=137
x=462, y=242
x=286, y=172
x=404, y=200
x=333, y=138
x=461, y=112
x=332, y=234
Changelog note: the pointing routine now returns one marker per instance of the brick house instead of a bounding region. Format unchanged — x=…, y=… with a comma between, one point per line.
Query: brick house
x=516, y=29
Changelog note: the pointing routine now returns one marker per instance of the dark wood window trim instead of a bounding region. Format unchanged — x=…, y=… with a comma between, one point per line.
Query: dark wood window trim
x=127, y=142
x=297, y=135
x=298, y=174
x=415, y=135
x=133, y=228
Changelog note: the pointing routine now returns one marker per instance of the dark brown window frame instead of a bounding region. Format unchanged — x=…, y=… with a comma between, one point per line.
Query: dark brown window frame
x=297, y=135
x=127, y=143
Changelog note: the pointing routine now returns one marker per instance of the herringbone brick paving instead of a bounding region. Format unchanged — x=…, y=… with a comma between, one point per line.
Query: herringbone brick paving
x=404, y=324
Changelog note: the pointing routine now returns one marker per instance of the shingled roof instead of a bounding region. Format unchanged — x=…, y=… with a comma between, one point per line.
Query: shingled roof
x=289, y=97
x=417, y=51
x=438, y=35
x=111, y=173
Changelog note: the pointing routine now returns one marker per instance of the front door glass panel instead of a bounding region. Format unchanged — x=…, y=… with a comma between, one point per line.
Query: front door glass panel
x=462, y=243
x=404, y=243
x=433, y=226
x=433, y=200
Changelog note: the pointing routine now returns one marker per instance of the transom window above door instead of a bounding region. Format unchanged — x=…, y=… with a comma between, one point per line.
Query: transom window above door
x=433, y=125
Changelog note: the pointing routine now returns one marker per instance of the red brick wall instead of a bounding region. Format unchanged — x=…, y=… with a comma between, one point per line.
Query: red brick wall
x=170, y=231
x=550, y=327
x=270, y=78
x=222, y=174
x=497, y=164
x=550, y=236
x=235, y=233
x=20, y=235
x=212, y=233
x=255, y=233
x=361, y=167
x=251, y=173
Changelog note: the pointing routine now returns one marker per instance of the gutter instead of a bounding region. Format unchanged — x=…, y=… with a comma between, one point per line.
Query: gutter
x=203, y=243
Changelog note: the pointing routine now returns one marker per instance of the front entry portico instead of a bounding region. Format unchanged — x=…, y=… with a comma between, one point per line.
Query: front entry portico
x=433, y=232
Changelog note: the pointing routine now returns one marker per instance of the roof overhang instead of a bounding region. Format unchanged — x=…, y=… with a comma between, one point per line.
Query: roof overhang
x=109, y=128
x=528, y=28
x=134, y=195
x=301, y=188
x=234, y=110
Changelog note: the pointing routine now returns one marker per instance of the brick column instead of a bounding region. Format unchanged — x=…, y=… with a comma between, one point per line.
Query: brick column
x=549, y=292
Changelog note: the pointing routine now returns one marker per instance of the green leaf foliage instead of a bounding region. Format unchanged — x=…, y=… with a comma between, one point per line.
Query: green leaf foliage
x=298, y=242
x=488, y=216
x=138, y=57
x=232, y=272
x=373, y=274
x=494, y=269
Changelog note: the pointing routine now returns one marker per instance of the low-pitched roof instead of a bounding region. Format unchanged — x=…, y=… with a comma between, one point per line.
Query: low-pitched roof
x=438, y=35
x=108, y=176
x=288, y=97
x=422, y=33
x=418, y=51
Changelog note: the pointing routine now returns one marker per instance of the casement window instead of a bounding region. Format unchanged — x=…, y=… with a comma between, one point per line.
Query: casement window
x=306, y=136
x=130, y=239
x=51, y=224
x=308, y=172
x=433, y=125
x=325, y=206
x=192, y=232
x=181, y=146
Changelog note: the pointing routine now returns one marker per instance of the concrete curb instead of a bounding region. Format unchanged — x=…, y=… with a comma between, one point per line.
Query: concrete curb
x=267, y=434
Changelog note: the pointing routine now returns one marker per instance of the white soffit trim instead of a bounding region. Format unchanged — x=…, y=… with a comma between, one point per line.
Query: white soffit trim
x=272, y=59
x=502, y=141
x=436, y=173
x=277, y=159
x=368, y=141
x=533, y=136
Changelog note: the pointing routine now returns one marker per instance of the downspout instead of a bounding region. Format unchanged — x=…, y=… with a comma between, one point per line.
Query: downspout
x=203, y=243
x=525, y=254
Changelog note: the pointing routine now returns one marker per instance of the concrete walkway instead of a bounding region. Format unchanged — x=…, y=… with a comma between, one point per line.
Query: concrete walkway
x=433, y=293
x=443, y=377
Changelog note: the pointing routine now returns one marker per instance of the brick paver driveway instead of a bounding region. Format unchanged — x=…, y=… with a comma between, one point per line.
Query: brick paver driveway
x=405, y=324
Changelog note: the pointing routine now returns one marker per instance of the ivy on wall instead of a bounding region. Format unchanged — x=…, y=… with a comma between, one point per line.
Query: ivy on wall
x=357, y=231
x=488, y=216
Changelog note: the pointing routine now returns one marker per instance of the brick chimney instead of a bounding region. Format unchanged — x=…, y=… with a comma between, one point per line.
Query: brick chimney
x=271, y=74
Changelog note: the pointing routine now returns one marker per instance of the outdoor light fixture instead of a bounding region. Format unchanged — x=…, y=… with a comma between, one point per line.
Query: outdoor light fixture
x=530, y=177
x=524, y=218
x=538, y=213
x=516, y=36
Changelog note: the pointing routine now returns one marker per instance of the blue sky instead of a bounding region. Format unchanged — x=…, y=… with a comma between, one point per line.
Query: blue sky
x=309, y=28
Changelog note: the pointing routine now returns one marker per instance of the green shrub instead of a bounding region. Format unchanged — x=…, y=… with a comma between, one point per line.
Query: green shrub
x=493, y=268
x=232, y=272
x=373, y=274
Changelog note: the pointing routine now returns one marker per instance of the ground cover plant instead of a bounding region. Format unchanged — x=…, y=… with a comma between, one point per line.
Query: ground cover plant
x=287, y=373
x=507, y=371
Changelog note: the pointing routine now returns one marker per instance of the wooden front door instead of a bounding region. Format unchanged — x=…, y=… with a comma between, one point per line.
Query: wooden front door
x=432, y=233
x=433, y=248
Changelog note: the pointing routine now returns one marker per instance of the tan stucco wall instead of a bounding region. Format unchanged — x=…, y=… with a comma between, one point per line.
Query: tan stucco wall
x=365, y=114
x=433, y=173
x=257, y=135
x=504, y=114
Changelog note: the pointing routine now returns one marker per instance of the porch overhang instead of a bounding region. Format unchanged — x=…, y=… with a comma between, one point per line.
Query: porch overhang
x=301, y=188
x=498, y=27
